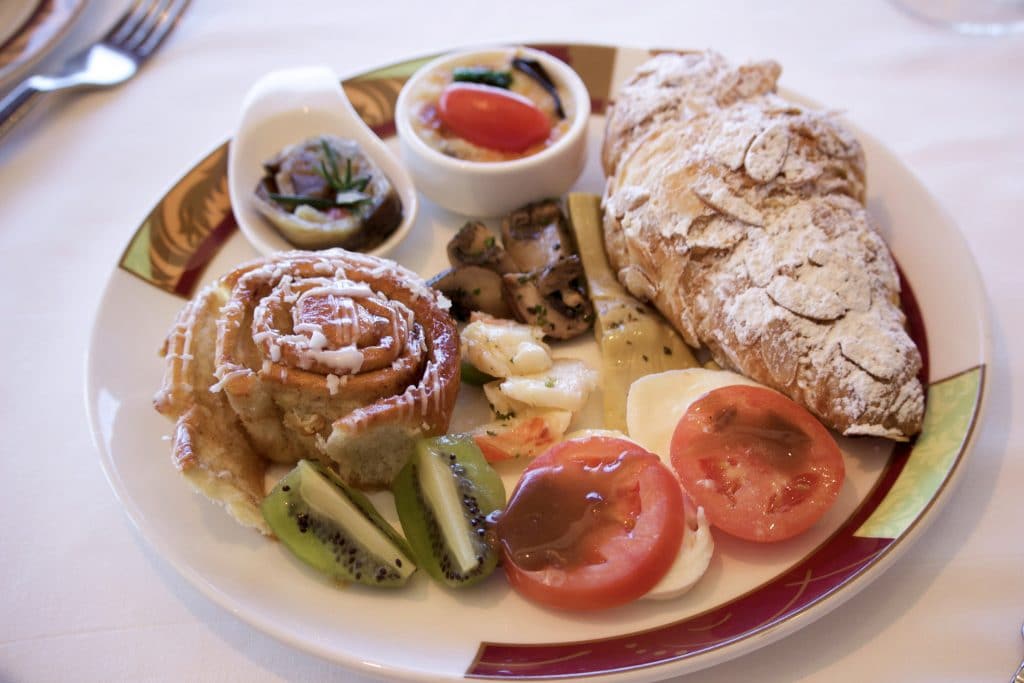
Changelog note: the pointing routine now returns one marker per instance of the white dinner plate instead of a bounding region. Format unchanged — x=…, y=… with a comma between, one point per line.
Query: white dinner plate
x=13, y=15
x=752, y=595
x=29, y=30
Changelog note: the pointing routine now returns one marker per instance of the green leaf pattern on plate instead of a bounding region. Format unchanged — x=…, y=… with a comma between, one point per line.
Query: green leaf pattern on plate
x=952, y=409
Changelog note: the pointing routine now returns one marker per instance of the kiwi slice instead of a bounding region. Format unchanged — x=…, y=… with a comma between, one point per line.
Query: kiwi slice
x=443, y=496
x=335, y=529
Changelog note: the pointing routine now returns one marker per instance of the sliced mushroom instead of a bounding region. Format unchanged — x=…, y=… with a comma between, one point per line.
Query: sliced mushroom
x=476, y=245
x=472, y=288
x=552, y=298
x=536, y=235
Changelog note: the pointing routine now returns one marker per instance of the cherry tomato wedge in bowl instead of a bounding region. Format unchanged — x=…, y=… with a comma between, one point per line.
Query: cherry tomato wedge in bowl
x=763, y=467
x=593, y=523
x=492, y=117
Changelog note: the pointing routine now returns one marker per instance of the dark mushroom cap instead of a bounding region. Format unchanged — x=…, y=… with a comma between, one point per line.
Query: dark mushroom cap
x=476, y=245
x=536, y=235
x=552, y=298
x=472, y=288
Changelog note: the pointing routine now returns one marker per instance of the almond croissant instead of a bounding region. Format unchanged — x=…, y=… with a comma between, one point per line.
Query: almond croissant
x=740, y=216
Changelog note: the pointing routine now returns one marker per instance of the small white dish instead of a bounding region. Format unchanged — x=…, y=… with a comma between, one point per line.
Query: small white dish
x=286, y=107
x=493, y=188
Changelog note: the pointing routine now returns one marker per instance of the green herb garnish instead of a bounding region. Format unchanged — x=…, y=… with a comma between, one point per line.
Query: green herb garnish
x=329, y=170
x=480, y=74
x=348, y=192
x=541, y=311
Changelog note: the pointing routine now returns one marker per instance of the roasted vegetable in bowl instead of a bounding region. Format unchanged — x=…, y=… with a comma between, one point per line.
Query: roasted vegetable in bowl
x=326, y=192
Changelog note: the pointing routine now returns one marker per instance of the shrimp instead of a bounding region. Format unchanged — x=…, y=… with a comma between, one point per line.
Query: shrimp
x=566, y=385
x=520, y=437
x=504, y=348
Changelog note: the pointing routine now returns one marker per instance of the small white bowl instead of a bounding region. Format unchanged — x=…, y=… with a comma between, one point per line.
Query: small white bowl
x=493, y=188
x=284, y=108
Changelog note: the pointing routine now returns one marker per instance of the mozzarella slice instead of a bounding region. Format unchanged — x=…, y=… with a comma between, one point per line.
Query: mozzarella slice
x=657, y=402
x=691, y=562
x=654, y=406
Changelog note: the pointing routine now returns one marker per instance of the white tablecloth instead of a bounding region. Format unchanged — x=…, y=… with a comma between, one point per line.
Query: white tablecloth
x=85, y=599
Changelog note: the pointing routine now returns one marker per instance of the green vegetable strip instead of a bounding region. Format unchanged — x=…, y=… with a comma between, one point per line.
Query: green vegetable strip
x=296, y=200
x=634, y=339
x=480, y=74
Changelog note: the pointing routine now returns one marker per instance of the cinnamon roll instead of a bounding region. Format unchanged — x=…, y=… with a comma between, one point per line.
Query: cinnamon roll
x=336, y=356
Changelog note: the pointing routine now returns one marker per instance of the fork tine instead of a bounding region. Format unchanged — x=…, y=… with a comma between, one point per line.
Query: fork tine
x=168, y=21
x=127, y=23
x=149, y=20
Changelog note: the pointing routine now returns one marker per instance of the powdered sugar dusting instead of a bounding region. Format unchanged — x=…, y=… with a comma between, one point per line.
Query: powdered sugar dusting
x=767, y=257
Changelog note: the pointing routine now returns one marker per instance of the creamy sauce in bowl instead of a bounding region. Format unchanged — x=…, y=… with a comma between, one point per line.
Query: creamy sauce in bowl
x=428, y=122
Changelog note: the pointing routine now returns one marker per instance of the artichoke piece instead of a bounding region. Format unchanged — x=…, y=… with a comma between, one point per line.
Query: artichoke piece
x=635, y=340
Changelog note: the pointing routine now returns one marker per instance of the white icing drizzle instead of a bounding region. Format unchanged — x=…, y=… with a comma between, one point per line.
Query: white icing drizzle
x=347, y=360
x=429, y=378
x=262, y=336
x=348, y=321
x=225, y=377
x=317, y=339
x=342, y=288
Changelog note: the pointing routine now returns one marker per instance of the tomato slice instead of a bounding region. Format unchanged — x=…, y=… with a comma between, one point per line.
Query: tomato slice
x=593, y=523
x=762, y=466
x=492, y=117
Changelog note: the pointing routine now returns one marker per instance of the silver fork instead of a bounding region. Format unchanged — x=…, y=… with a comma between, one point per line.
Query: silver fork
x=1019, y=676
x=113, y=59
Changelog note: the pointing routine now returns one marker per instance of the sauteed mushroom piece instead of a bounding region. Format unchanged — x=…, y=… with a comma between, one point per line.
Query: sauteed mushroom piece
x=472, y=288
x=476, y=245
x=553, y=298
x=536, y=236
